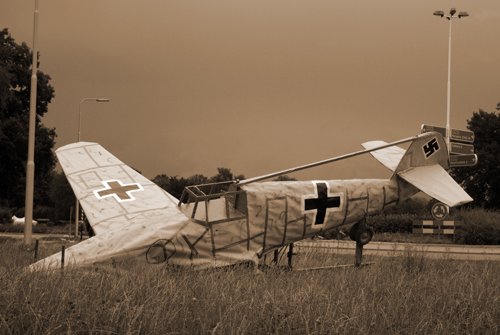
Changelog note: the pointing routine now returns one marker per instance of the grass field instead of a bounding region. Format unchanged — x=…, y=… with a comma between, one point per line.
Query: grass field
x=406, y=295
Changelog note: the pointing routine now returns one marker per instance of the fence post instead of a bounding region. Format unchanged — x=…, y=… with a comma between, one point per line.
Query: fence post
x=62, y=257
x=70, y=218
x=36, y=250
x=290, y=255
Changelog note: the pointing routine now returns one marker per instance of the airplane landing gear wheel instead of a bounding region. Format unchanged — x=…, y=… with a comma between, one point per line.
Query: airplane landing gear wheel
x=365, y=236
x=362, y=234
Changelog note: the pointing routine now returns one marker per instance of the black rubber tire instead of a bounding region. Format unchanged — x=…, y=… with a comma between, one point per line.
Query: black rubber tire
x=364, y=236
x=353, y=231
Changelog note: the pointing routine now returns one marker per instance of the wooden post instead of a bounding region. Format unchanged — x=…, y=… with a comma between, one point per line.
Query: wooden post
x=290, y=255
x=36, y=250
x=359, y=254
x=276, y=256
x=70, y=218
x=62, y=257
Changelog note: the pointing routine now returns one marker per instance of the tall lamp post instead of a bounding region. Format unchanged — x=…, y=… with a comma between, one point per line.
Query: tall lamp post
x=450, y=16
x=77, y=204
x=30, y=163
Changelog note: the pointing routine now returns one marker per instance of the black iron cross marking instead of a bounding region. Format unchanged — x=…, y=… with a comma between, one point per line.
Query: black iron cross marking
x=430, y=148
x=321, y=203
x=114, y=188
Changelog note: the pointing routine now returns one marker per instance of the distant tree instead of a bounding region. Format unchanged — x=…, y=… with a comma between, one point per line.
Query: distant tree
x=162, y=180
x=175, y=185
x=172, y=185
x=225, y=174
x=197, y=179
x=61, y=196
x=482, y=181
x=15, y=80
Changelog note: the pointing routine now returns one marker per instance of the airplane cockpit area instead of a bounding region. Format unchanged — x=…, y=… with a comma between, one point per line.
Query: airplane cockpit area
x=214, y=203
x=221, y=209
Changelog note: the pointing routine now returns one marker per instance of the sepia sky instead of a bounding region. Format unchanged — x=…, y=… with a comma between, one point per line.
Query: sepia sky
x=258, y=86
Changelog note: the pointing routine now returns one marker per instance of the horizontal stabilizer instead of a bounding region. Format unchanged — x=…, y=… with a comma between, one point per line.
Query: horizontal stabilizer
x=437, y=183
x=389, y=157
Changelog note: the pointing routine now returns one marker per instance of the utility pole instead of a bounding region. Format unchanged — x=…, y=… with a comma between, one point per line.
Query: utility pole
x=30, y=163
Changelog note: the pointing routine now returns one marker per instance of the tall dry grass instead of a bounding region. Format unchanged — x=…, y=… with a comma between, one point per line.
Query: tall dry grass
x=406, y=295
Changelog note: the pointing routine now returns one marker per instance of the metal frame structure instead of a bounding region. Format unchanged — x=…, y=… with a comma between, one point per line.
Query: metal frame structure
x=235, y=199
x=206, y=192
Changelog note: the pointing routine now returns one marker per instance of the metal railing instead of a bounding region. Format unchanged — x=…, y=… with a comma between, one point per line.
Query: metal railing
x=235, y=199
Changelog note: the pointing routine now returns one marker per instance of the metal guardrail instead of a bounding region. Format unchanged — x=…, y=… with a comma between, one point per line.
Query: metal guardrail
x=437, y=251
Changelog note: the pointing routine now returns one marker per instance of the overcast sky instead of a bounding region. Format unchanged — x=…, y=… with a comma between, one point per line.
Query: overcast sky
x=258, y=86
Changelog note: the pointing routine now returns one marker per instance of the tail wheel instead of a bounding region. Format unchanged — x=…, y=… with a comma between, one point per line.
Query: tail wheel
x=361, y=233
x=364, y=236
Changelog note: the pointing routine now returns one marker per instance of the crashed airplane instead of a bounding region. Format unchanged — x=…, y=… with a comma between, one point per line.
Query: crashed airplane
x=221, y=224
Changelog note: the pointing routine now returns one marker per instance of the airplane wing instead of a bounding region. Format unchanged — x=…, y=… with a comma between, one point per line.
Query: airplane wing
x=126, y=210
x=389, y=157
x=107, y=188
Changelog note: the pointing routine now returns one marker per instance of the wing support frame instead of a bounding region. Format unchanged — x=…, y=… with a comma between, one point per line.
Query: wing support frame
x=327, y=161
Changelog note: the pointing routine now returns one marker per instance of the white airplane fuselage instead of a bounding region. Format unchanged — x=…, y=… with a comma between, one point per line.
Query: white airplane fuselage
x=270, y=215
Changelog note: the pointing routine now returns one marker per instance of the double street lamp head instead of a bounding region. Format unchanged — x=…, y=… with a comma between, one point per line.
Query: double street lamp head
x=439, y=13
x=451, y=14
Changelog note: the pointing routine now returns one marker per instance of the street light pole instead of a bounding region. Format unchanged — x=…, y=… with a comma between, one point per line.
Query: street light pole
x=77, y=204
x=449, y=17
x=448, y=92
x=30, y=163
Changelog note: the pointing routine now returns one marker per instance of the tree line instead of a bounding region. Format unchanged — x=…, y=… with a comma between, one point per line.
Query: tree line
x=53, y=196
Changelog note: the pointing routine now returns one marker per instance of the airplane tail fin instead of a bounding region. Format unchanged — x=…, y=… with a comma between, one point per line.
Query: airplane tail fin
x=424, y=165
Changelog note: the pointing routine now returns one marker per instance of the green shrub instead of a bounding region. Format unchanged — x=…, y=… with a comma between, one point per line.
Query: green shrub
x=479, y=226
x=392, y=223
x=42, y=212
x=19, y=212
x=10, y=228
x=419, y=205
x=5, y=215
